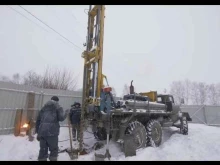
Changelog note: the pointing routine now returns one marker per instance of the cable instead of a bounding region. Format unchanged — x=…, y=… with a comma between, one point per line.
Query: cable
x=56, y=15
x=74, y=17
x=26, y=17
x=50, y=27
x=33, y=22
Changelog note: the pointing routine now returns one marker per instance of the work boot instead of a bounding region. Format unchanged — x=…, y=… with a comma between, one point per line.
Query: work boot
x=53, y=158
x=42, y=159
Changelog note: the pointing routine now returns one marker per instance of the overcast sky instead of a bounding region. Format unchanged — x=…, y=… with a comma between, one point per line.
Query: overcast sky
x=152, y=45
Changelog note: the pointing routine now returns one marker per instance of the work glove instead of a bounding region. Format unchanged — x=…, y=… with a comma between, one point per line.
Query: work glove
x=38, y=138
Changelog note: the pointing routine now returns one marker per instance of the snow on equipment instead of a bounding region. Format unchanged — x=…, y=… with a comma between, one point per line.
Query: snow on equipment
x=134, y=122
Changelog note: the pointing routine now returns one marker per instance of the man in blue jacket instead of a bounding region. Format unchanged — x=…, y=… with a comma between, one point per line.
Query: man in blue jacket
x=75, y=113
x=48, y=128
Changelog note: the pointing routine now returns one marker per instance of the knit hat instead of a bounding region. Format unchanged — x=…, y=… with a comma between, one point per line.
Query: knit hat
x=55, y=98
x=75, y=104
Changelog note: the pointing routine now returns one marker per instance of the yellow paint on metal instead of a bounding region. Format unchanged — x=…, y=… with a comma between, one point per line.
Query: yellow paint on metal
x=152, y=95
x=96, y=54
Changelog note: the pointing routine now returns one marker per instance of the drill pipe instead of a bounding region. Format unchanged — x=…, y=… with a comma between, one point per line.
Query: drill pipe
x=129, y=104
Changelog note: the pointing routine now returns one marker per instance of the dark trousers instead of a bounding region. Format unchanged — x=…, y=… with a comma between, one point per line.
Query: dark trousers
x=51, y=143
x=75, y=129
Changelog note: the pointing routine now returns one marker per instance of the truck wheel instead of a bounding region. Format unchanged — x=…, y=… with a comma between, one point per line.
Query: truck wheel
x=154, y=133
x=184, y=126
x=139, y=132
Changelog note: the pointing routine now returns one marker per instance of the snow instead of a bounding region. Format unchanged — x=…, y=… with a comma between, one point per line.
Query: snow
x=202, y=144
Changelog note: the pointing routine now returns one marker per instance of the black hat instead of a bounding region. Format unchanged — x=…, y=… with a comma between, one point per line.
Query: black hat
x=75, y=104
x=55, y=98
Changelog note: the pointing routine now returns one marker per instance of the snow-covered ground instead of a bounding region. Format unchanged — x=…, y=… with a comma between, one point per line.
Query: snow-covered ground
x=202, y=143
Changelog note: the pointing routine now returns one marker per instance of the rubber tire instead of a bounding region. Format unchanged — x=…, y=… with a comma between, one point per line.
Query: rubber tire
x=137, y=127
x=151, y=125
x=184, y=126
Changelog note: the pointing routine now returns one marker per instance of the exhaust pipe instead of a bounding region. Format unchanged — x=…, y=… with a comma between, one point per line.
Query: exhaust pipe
x=131, y=88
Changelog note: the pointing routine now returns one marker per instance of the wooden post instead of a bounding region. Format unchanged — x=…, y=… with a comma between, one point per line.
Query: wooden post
x=30, y=114
x=30, y=106
x=204, y=113
x=18, y=120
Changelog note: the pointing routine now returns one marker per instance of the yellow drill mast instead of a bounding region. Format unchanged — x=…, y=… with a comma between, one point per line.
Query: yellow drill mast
x=93, y=58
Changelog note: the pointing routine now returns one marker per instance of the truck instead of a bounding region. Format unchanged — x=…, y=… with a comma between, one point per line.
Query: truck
x=136, y=114
x=138, y=117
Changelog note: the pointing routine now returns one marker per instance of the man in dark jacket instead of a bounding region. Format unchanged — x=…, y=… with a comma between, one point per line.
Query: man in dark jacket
x=75, y=113
x=48, y=128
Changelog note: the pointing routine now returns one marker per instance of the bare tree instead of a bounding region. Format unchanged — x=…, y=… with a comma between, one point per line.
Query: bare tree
x=202, y=90
x=5, y=79
x=218, y=93
x=177, y=90
x=197, y=93
x=32, y=78
x=187, y=86
x=59, y=79
x=212, y=94
x=194, y=93
x=16, y=78
x=51, y=79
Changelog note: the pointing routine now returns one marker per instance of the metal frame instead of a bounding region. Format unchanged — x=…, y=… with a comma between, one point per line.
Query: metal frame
x=93, y=59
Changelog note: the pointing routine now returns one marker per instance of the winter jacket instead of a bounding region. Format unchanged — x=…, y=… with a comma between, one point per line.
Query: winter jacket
x=75, y=114
x=48, y=119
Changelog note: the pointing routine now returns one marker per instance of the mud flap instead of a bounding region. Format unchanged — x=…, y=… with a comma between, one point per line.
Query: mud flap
x=129, y=145
x=186, y=114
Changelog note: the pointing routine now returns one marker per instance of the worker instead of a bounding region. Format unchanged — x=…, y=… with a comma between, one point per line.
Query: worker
x=75, y=113
x=48, y=128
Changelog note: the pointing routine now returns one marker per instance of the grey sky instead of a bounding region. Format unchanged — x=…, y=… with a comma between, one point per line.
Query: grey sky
x=152, y=45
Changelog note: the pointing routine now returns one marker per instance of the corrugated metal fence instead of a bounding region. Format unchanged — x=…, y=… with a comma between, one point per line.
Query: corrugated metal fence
x=204, y=114
x=13, y=100
x=30, y=100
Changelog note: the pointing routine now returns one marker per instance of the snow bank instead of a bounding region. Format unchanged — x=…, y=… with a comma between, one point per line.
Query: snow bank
x=202, y=143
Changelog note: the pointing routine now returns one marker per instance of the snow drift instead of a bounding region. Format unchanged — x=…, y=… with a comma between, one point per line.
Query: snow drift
x=202, y=143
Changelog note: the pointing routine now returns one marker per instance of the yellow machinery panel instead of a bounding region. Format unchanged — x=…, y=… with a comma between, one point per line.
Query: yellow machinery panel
x=152, y=95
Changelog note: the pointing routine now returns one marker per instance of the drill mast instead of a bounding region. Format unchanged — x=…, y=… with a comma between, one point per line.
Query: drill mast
x=93, y=58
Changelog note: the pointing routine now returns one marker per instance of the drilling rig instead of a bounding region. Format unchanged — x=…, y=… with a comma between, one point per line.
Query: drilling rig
x=93, y=58
x=140, y=115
